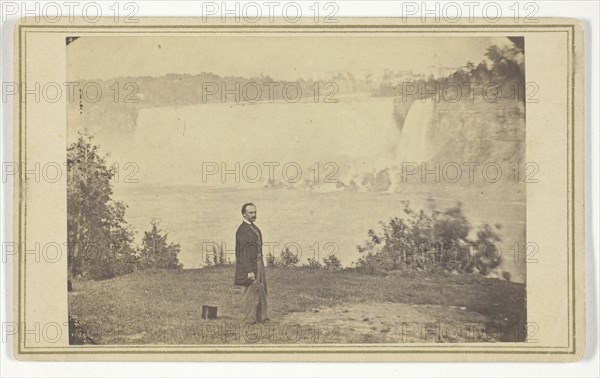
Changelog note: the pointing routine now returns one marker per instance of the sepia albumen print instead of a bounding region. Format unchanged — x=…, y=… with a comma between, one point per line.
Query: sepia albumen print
x=297, y=190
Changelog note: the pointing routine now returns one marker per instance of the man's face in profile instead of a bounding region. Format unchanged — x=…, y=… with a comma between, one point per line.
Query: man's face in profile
x=250, y=214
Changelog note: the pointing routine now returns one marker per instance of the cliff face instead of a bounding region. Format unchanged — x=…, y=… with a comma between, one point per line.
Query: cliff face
x=476, y=146
x=479, y=131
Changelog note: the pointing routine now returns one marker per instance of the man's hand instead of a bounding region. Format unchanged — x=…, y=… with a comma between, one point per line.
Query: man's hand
x=251, y=276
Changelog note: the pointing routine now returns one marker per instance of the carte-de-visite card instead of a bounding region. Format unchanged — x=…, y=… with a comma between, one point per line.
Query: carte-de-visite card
x=376, y=189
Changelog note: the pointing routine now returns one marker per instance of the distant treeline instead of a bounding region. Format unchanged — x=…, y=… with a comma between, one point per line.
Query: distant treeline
x=114, y=104
x=500, y=76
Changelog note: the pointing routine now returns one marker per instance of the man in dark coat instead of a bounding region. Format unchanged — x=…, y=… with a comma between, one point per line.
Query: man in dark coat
x=250, y=268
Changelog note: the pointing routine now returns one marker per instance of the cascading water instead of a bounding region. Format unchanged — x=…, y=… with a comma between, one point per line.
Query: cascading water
x=414, y=142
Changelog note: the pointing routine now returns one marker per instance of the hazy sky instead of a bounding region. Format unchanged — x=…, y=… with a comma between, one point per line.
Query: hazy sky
x=281, y=57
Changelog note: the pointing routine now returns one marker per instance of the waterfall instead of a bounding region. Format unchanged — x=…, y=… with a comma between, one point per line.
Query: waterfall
x=414, y=143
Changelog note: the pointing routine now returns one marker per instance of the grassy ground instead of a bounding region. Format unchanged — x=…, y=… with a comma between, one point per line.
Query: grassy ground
x=156, y=307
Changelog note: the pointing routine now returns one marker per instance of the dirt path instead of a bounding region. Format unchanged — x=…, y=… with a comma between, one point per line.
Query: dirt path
x=395, y=323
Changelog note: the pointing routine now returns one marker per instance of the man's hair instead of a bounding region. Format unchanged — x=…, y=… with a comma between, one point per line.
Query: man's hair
x=246, y=205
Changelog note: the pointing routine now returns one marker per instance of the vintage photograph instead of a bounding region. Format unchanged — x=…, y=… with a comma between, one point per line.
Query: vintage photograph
x=297, y=189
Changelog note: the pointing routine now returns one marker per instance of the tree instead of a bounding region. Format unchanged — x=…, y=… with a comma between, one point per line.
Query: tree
x=156, y=253
x=99, y=238
x=506, y=65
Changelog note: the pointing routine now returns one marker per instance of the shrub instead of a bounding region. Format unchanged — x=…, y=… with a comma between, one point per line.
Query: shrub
x=156, y=253
x=270, y=260
x=79, y=334
x=332, y=262
x=313, y=263
x=216, y=257
x=430, y=240
x=288, y=258
x=219, y=256
x=208, y=260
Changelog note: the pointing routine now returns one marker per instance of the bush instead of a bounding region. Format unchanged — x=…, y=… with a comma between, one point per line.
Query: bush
x=332, y=262
x=430, y=240
x=270, y=260
x=156, y=253
x=216, y=257
x=288, y=258
x=79, y=334
x=313, y=263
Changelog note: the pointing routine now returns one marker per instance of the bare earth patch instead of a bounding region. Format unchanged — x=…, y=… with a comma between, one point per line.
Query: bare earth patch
x=390, y=322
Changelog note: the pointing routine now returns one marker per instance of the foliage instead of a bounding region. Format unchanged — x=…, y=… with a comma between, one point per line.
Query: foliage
x=289, y=258
x=332, y=262
x=430, y=240
x=208, y=260
x=503, y=67
x=156, y=253
x=271, y=260
x=78, y=333
x=216, y=257
x=100, y=240
x=487, y=257
x=313, y=263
